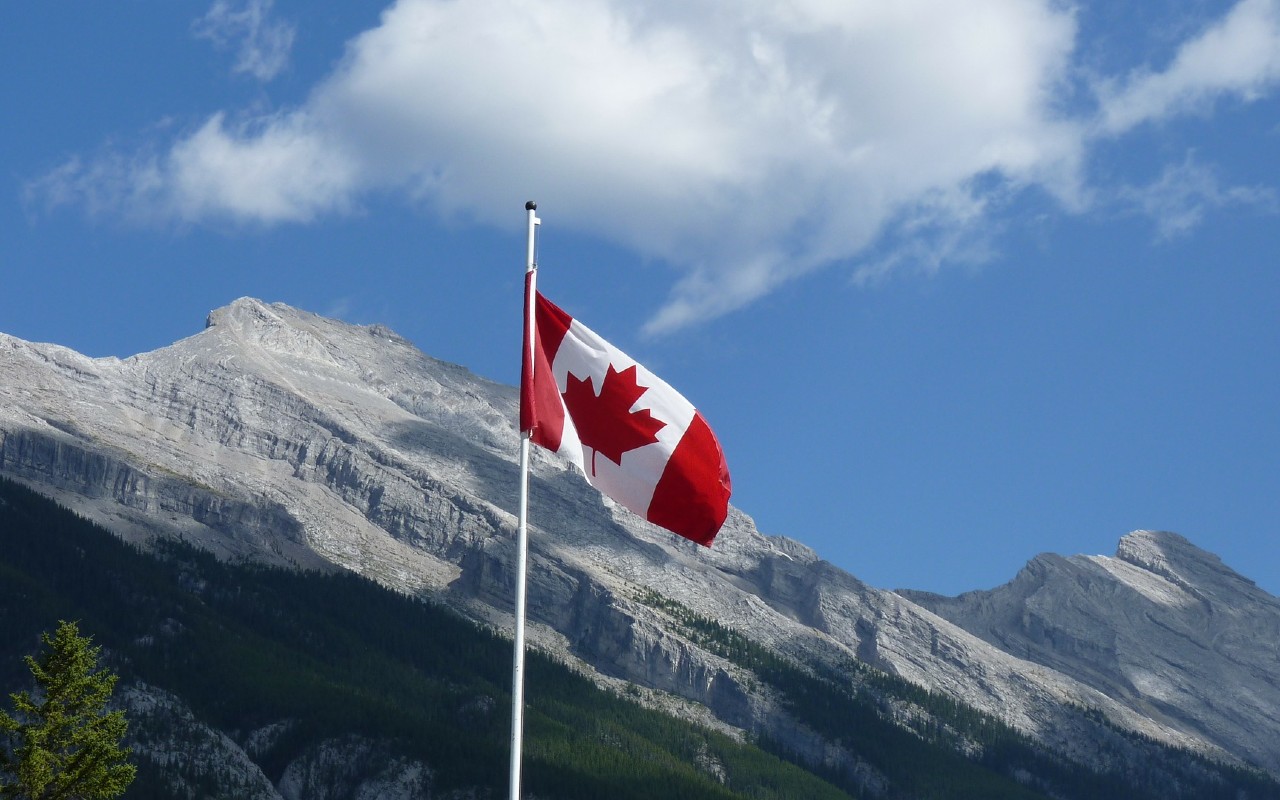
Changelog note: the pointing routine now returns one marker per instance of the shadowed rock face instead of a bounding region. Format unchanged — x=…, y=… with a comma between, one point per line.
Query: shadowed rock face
x=165, y=732
x=1162, y=626
x=287, y=438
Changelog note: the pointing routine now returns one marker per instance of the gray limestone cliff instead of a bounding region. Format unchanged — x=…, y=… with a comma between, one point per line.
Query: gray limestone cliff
x=1163, y=626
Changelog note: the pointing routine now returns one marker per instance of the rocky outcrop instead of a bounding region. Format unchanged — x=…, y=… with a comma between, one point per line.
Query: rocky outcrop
x=354, y=769
x=130, y=499
x=190, y=754
x=194, y=759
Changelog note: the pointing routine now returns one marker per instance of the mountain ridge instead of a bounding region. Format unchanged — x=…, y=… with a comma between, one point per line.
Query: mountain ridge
x=1162, y=624
x=280, y=436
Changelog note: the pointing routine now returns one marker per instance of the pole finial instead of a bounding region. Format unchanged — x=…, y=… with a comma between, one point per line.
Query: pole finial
x=530, y=206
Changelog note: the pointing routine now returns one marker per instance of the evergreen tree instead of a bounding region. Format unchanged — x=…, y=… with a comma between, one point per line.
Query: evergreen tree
x=62, y=743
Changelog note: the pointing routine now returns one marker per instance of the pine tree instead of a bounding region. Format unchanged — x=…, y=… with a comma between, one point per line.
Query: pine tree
x=62, y=743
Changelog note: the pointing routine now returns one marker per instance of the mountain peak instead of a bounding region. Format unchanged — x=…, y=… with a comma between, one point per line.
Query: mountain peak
x=1175, y=558
x=243, y=310
x=283, y=330
x=1140, y=540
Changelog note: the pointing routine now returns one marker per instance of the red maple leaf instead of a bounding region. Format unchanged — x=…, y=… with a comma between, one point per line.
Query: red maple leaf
x=605, y=422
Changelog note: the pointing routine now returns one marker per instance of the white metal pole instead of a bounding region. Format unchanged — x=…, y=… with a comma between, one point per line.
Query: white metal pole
x=522, y=530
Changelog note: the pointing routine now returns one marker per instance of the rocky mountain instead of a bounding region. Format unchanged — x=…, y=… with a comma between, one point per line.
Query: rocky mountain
x=1163, y=626
x=279, y=436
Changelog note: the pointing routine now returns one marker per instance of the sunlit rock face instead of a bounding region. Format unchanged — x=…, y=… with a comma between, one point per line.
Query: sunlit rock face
x=1162, y=626
x=278, y=436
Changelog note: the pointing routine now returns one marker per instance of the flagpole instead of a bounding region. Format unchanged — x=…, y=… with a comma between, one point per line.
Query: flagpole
x=522, y=530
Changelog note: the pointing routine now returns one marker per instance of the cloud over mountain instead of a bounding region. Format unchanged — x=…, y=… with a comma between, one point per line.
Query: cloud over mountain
x=745, y=144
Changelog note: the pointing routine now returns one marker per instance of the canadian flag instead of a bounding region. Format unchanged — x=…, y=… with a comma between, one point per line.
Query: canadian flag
x=636, y=439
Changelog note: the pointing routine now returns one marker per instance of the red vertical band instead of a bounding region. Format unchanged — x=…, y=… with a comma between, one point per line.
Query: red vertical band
x=528, y=398
x=540, y=394
x=692, y=496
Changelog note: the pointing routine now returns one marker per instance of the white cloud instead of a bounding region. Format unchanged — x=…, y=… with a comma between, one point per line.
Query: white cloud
x=1239, y=56
x=281, y=170
x=1179, y=199
x=268, y=171
x=264, y=43
x=744, y=143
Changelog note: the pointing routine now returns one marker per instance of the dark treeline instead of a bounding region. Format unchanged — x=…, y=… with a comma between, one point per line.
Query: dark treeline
x=335, y=655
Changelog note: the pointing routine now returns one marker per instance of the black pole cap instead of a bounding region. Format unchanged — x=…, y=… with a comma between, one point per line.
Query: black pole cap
x=530, y=206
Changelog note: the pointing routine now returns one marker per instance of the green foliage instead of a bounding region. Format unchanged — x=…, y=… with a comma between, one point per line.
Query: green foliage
x=61, y=741
x=335, y=655
x=322, y=657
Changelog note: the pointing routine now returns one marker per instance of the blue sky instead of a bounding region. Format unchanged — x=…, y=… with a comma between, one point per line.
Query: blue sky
x=955, y=284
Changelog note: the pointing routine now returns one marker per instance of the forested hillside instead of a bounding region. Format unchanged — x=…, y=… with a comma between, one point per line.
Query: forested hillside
x=285, y=664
